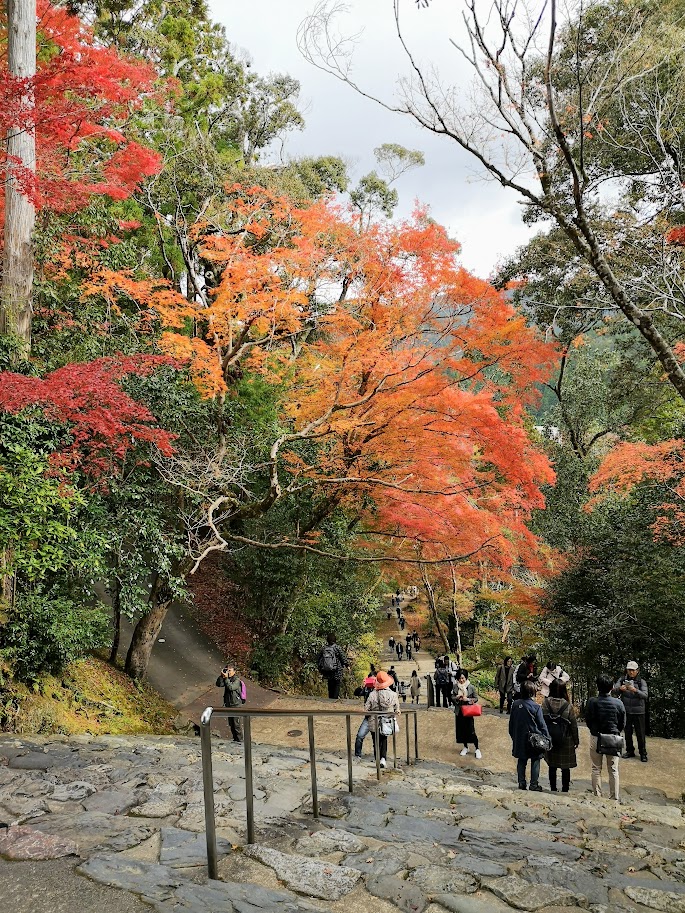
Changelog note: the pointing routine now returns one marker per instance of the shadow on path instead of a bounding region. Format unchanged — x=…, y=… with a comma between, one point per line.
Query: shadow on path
x=185, y=663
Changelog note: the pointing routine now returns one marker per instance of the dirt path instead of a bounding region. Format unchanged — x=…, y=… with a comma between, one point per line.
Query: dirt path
x=185, y=664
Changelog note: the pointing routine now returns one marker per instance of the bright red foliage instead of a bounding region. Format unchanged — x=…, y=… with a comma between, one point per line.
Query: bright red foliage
x=84, y=94
x=104, y=422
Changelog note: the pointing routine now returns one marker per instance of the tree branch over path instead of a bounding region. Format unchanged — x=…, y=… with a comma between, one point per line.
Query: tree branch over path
x=522, y=85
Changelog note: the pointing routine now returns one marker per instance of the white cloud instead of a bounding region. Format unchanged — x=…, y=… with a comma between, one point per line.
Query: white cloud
x=481, y=215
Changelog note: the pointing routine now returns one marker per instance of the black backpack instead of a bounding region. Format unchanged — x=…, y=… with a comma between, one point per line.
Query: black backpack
x=327, y=660
x=558, y=727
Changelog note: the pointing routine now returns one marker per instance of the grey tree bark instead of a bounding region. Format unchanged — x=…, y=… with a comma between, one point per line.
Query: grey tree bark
x=17, y=268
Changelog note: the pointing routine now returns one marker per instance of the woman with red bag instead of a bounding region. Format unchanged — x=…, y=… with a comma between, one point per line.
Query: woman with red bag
x=466, y=709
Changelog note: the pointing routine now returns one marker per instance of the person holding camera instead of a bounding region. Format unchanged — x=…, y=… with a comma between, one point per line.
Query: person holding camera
x=632, y=691
x=234, y=696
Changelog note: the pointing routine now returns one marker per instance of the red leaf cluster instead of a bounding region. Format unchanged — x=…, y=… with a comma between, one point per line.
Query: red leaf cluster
x=79, y=102
x=104, y=422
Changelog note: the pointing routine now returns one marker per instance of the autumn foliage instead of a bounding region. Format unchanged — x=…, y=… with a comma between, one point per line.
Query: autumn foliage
x=102, y=422
x=410, y=375
x=78, y=104
x=663, y=465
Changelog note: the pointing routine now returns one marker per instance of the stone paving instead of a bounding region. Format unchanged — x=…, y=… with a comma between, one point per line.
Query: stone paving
x=127, y=813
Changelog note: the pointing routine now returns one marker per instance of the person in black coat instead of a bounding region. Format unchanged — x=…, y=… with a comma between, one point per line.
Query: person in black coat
x=526, y=716
x=331, y=663
x=604, y=714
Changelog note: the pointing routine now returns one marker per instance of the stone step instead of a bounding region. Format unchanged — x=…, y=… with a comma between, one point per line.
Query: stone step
x=431, y=837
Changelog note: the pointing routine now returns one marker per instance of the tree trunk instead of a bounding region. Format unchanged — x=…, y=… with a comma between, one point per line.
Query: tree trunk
x=17, y=267
x=147, y=630
x=7, y=590
x=455, y=613
x=430, y=595
x=116, y=617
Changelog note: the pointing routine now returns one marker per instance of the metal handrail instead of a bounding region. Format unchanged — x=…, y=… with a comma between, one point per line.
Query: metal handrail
x=208, y=776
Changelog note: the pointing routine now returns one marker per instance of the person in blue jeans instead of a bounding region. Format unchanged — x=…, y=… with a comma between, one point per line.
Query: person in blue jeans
x=362, y=733
x=526, y=716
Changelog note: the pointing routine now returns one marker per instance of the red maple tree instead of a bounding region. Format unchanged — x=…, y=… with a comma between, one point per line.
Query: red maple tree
x=103, y=423
x=79, y=104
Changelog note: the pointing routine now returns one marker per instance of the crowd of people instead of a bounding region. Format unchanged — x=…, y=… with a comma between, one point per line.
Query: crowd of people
x=549, y=729
x=543, y=723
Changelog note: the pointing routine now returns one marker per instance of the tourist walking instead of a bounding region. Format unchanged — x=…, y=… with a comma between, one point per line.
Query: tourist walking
x=526, y=725
x=385, y=700
x=504, y=682
x=632, y=690
x=331, y=663
x=391, y=643
x=364, y=691
x=606, y=719
x=552, y=672
x=234, y=696
x=399, y=650
x=408, y=651
x=443, y=684
x=393, y=676
x=403, y=622
x=415, y=687
x=562, y=726
x=526, y=671
x=417, y=641
x=465, y=698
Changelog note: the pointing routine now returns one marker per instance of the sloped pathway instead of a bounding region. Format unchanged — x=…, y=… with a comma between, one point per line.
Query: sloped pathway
x=127, y=813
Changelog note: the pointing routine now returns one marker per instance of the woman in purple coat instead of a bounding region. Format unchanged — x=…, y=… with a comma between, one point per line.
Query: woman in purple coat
x=526, y=716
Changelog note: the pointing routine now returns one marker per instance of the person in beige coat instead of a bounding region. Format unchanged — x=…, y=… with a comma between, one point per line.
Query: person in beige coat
x=385, y=700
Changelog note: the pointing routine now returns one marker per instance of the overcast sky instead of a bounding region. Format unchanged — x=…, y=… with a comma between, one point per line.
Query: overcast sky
x=482, y=216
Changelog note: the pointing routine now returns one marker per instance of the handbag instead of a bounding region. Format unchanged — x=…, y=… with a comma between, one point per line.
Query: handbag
x=609, y=743
x=537, y=741
x=387, y=725
x=471, y=709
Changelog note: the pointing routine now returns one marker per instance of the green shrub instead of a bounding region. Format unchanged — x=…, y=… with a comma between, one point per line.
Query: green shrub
x=44, y=631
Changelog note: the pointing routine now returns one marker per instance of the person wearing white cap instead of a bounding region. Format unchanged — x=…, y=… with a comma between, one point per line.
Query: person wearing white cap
x=632, y=690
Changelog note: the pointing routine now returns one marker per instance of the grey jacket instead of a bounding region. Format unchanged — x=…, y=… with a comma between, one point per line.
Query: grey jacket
x=231, y=688
x=385, y=700
x=633, y=701
x=504, y=678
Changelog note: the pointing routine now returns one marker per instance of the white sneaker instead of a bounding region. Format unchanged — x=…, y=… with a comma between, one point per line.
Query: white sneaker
x=382, y=762
x=464, y=751
x=478, y=754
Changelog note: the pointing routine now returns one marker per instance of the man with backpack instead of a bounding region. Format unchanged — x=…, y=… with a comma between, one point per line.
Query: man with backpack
x=235, y=694
x=443, y=684
x=632, y=690
x=331, y=663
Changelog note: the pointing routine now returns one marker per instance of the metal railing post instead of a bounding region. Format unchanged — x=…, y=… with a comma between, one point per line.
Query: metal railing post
x=394, y=745
x=377, y=744
x=416, y=736
x=312, y=764
x=249, y=786
x=348, y=727
x=207, y=773
x=208, y=790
